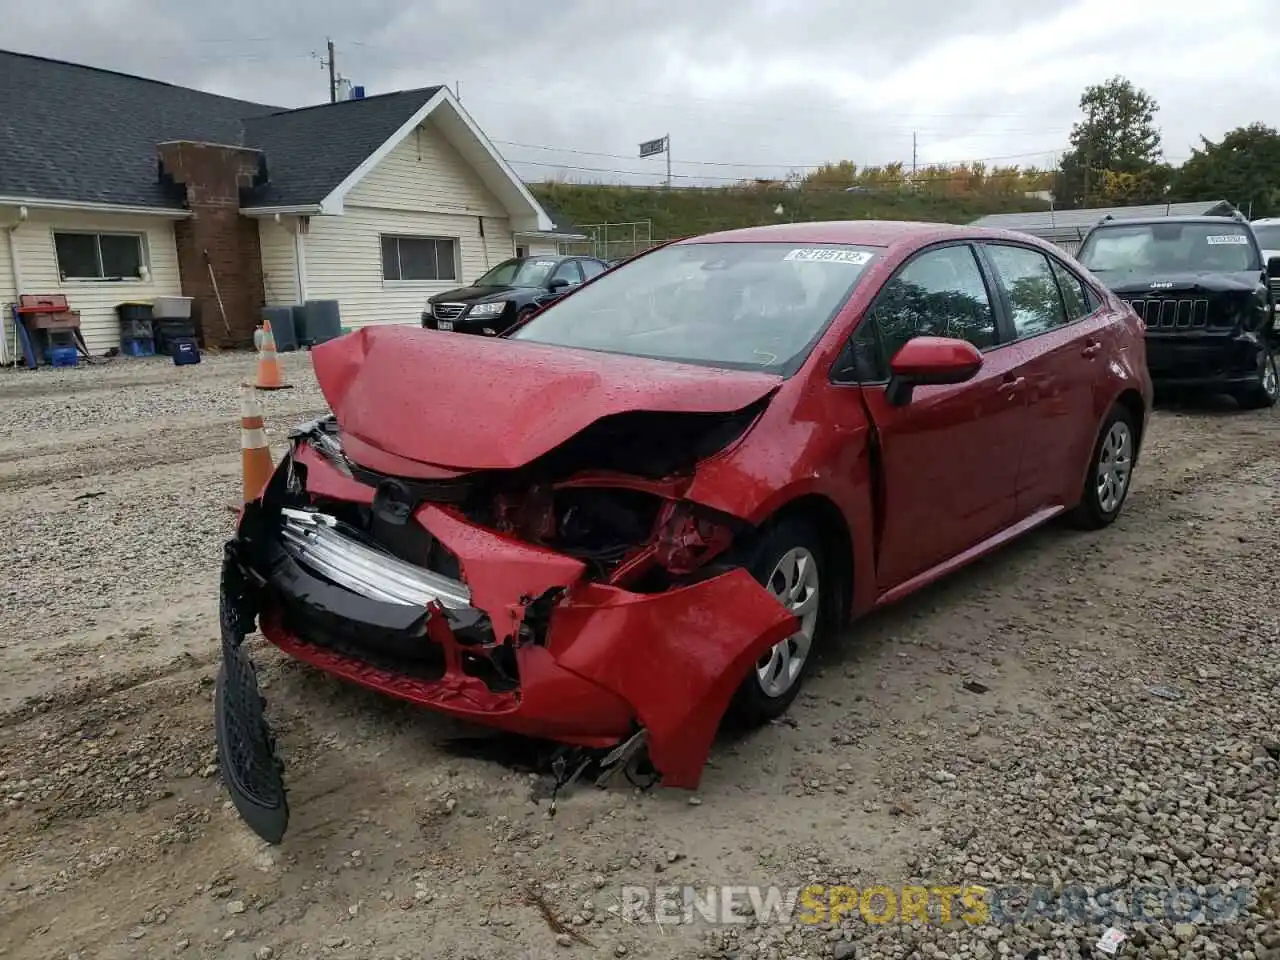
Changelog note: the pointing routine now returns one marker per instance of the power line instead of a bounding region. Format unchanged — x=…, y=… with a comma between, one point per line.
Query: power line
x=378, y=43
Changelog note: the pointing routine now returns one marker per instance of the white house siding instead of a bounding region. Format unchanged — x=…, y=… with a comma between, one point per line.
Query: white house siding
x=422, y=188
x=279, y=271
x=344, y=261
x=7, y=294
x=540, y=247
x=95, y=299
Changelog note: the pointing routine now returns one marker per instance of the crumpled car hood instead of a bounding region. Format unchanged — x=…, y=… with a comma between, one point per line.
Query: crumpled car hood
x=473, y=403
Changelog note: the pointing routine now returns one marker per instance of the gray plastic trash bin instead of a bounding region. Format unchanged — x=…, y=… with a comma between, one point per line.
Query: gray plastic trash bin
x=321, y=322
x=282, y=327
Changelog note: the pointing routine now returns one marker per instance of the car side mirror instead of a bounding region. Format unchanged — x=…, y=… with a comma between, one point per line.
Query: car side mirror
x=557, y=284
x=1273, y=268
x=930, y=361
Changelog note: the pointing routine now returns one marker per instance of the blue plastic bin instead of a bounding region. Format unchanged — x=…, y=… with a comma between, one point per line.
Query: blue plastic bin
x=63, y=356
x=184, y=350
x=138, y=348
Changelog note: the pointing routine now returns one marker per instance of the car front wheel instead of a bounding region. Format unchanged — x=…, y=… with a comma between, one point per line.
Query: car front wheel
x=788, y=562
x=1266, y=391
x=1110, y=471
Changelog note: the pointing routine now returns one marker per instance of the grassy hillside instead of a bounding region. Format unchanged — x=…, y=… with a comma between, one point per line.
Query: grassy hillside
x=684, y=211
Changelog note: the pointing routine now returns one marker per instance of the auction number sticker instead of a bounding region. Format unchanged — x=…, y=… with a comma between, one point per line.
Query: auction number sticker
x=827, y=255
x=1236, y=238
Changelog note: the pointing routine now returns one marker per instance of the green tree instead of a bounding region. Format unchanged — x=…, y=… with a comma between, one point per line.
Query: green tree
x=1117, y=133
x=1244, y=168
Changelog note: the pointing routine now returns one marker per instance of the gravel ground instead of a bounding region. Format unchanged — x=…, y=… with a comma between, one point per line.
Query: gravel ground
x=1080, y=715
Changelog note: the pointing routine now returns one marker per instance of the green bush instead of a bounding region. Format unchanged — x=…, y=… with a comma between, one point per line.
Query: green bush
x=685, y=211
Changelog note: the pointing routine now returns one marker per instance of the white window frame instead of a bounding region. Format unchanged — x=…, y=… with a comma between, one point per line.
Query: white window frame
x=144, y=254
x=454, y=242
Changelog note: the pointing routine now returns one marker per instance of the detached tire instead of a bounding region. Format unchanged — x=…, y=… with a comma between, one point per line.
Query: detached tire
x=1106, y=486
x=1266, y=391
x=788, y=560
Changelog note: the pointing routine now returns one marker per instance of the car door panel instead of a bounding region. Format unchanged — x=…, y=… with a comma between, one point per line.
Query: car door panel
x=950, y=460
x=1060, y=344
x=950, y=456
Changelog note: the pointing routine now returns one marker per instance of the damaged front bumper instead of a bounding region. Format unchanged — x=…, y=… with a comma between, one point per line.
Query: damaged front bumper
x=520, y=640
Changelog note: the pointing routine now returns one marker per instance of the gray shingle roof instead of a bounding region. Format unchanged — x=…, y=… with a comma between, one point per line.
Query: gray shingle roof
x=1069, y=222
x=75, y=133
x=312, y=150
x=69, y=132
x=563, y=225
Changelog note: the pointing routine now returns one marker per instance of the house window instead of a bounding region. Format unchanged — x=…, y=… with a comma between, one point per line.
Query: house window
x=100, y=256
x=419, y=258
x=521, y=252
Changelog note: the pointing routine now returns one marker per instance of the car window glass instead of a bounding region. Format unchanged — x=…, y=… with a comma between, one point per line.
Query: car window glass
x=1028, y=282
x=592, y=268
x=568, y=271
x=1073, y=292
x=938, y=294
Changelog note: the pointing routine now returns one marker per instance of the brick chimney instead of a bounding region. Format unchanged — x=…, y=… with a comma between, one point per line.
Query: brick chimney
x=211, y=176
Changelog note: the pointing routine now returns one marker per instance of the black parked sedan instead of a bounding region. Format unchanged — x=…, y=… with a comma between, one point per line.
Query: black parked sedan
x=508, y=293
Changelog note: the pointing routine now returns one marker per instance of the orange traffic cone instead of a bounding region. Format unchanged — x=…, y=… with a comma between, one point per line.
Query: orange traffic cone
x=255, y=455
x=270, y=373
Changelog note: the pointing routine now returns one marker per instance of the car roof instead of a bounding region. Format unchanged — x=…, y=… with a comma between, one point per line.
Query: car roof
x=867, y=233
x=1147, y=221
x=1266, y=221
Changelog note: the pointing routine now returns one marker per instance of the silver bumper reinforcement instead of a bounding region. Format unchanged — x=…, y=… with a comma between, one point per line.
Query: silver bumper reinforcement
x=314, y=540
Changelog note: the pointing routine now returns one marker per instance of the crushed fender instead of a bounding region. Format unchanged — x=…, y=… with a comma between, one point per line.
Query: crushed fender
x=677, y=657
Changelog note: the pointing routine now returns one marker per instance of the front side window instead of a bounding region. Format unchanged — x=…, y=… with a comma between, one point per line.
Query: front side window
x=529, y=272
x=1173, y=247
x=940, y=293
x=569, y=272
x=419, y=258
x=1029, y=284
x=759, y=306
x=99, y=256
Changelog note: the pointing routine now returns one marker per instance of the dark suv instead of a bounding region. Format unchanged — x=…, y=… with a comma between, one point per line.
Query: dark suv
x=1201, y=286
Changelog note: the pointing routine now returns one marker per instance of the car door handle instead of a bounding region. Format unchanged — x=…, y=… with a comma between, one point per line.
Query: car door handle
x=1091, y=349
x=1012, y=385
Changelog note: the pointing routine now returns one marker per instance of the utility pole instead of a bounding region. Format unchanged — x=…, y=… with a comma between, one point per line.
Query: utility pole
x=333, y=74
x=667, y=138
x=913, y=155
x=1088, y=164
x=457, y=90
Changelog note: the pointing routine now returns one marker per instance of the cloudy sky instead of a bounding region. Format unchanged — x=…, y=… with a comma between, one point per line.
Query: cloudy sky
x=744, y=87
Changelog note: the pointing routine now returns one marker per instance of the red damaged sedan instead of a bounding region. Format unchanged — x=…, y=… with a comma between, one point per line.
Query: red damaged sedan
x=649, y=505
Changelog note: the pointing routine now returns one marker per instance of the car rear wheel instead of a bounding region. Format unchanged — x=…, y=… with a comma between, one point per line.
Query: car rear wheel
x=788, y=561
x=1110, y=471
x=1266, y=391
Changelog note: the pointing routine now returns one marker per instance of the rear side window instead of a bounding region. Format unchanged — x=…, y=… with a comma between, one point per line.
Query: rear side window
x=1074, y=296
x=1028, y=282
x=940, y=293
x=592, y=268
x=568, y=271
